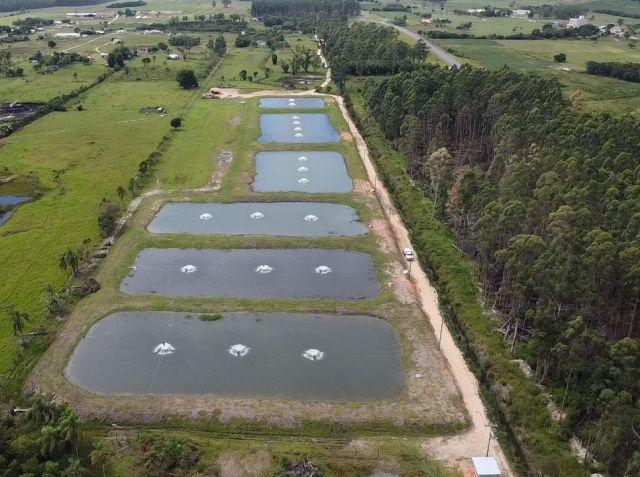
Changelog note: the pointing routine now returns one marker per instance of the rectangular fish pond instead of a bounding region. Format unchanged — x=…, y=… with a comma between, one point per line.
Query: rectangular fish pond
x=301, y=171
x=305, y=356
x=296, y=219
x=297, y=128
x=8, y=203
x=292, y=102
x=253, y=273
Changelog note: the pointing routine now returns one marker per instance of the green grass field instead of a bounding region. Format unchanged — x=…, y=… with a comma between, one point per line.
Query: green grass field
x=602, y=94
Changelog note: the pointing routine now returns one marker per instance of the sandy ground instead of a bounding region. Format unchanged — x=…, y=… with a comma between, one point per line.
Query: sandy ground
x=473, y=442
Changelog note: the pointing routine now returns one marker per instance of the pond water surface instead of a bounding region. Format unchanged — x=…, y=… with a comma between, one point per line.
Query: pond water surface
x=253, y=273
x=301, y=171
x=170, y=353
x=292, y=102
x=297, y=219
x=298, y=128
x=10, y=200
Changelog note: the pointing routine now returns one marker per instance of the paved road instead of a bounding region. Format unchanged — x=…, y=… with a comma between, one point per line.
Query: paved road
x=436, y=50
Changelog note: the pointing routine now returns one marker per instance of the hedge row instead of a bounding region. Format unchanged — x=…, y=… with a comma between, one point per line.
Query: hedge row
x=537, y=445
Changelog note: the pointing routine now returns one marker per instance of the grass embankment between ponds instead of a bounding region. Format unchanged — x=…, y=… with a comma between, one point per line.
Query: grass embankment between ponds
x=515, y=400
x=429, y=405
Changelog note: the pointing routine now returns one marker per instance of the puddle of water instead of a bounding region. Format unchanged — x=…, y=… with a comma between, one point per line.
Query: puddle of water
x=295, y=273
x=281, y=171
x=241, y=354
x=292, y=102
x=11, y=201
x=313, y=128
x=295, y=219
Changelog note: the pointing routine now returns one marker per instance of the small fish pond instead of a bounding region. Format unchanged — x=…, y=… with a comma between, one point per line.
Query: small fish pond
x=253, y=273
x=295, y=219
x=305, y=356
x=297, y=128
x=301, y=171
x=8, y=203
x=292, y=102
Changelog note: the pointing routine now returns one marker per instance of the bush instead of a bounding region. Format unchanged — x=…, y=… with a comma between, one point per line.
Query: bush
x=108, y=217
x=176, y=123
x=187, y=79
x=214, y=317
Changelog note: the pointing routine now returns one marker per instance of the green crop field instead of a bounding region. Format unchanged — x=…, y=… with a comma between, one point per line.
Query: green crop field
x=602, y=94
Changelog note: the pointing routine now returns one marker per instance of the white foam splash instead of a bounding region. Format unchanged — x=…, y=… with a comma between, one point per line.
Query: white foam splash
x=302, y=159
x=303, y=180
x=292, y=100
x=292, y=104
x=313, y=354
x=298, y=135
x=323, y=270
x=295, y=123
x=303, y=169
x=295, y=117
x=257, y=215
x=239, y=350
x=311, y=218
x=206, y=216
x=188, y=269
x=297, y=128
x=264, y=269
x=164, y=349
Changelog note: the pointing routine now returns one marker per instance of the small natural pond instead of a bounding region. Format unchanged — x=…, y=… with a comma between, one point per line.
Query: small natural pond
x=253, y=273
x=292, y=102
x=305, y=356
x=301, y=171
x=296, y=219
x=8, y=203
x=297, y=128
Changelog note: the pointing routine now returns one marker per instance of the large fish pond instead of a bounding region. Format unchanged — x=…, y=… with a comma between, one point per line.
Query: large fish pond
x=253, y=273
x=301, y=171
x=291, y=102
x=307, y=356
x=295, y=219
x=298, y=128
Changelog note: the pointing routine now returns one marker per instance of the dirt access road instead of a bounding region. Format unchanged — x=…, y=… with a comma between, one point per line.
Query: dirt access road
x=455, y=450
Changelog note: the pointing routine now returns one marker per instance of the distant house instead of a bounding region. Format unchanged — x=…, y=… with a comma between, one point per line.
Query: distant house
x=173, y=57
x=475, y=11
x=152, y=32
x=426, y=21
x=520, y=13
x=116, y=41
x=121, y=32
x=68, y=35
x=485, y=467
x=577, y=22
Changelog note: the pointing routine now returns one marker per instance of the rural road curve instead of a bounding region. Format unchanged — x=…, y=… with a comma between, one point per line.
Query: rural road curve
x=436, y=50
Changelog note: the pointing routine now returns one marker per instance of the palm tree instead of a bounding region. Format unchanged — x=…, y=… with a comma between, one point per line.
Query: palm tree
x=49, y=441
x=53, y=300
x=69, y=259
x=74, y=469
x=146, y=61
x=18, y=319
x=99, y=455
x=121, y=193
x=68, y=428
x=75, y=76
x=43, y=409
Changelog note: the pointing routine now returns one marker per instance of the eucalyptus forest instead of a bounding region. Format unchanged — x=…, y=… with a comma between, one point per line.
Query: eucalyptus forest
x=547, y=199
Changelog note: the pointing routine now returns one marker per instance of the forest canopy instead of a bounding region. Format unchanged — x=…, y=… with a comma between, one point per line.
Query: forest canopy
x=10, y=5
x=547, y=199
x=305, y=8
x=624, y=71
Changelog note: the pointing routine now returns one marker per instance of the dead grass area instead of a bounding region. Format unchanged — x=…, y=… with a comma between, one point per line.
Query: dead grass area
x=346, y=136
x=363, y=187
x=234, y=464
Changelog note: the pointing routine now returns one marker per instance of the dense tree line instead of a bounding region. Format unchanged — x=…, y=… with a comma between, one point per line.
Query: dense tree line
x=624, y=71
x=218, y=22
x=547, y=198
x=365, y=49
x=548, y=32
x=11, y=5
x=617, y=13
x=306, y=8
x=562, y=11
x=136, y=3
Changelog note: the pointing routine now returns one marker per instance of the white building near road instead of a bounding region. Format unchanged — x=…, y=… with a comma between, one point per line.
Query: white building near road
x=486, y=467
x=68, y=35
x=520, y=13
x=577, y=22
